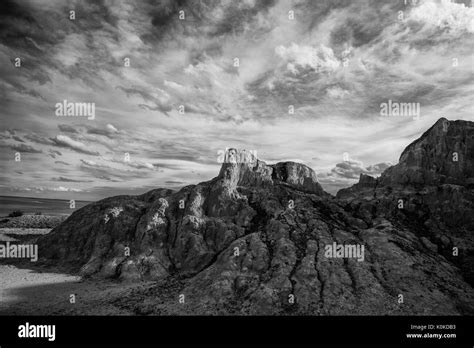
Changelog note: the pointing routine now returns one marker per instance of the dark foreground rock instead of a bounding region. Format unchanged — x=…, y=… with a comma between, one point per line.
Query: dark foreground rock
x=253, y=240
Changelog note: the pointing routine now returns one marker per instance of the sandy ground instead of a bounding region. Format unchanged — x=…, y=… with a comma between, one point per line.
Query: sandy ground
x=29, y=289
x=15, y=283
x=32, y=292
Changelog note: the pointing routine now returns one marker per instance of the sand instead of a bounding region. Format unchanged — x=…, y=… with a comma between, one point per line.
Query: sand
x=26, y=290
x=32, y=292
x=30, y=289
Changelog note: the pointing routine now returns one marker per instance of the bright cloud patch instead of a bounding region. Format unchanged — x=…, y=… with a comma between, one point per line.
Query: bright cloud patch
x=64, y=140
x=319, y=59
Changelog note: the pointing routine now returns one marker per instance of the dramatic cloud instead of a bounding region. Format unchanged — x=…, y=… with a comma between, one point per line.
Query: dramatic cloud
x=445, y=15
x=319, y=59
x=172, y=92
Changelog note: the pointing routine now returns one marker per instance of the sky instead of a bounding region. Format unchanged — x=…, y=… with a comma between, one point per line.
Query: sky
x=174, y=83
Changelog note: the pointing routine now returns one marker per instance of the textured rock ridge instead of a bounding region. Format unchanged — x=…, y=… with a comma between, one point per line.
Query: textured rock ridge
x=243, y=169
x=297, y=175
x=253, y=240
x=171, y=232
x=433, y=182
x=444, y=154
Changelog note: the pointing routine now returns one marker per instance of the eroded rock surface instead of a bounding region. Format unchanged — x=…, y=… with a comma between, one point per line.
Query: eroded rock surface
x=252, y=240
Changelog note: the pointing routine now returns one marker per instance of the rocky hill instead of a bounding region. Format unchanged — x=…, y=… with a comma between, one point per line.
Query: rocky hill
x=257, y=239
x=430, y=192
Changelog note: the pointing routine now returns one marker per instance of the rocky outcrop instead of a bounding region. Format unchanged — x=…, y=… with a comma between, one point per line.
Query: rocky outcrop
x=255, y=239
x=298, y=176
x=430, y=191
x=444, y=154
x=164, y=232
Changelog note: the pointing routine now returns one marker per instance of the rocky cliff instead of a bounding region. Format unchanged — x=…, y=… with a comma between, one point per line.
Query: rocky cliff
x=430, y=191
x=255, y=239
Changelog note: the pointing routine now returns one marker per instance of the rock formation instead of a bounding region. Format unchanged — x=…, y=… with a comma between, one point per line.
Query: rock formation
x=433, y=181
x=252, y=240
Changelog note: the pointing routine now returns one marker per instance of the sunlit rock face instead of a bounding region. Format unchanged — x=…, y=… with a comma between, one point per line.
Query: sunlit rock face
x=254, y=239
x=297, y=175
x=444, y=154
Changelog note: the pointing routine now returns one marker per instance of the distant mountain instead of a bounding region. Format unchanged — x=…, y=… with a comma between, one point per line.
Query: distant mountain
x=265, y=239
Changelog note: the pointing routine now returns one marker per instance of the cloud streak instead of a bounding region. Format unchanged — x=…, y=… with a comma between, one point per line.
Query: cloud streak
x=65, y=141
